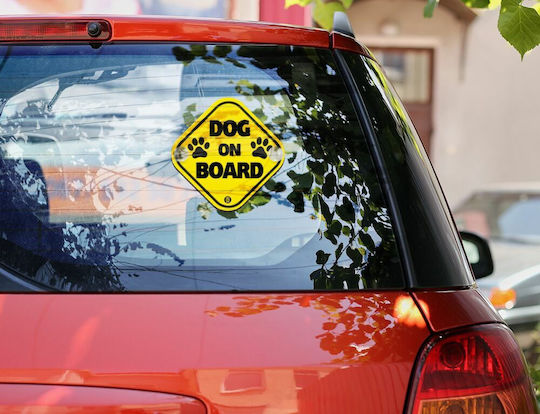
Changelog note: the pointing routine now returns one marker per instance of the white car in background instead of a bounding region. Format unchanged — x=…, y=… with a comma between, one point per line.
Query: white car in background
x=508, y=215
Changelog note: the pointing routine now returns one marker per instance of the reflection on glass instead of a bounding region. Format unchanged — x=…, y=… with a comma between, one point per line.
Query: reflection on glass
x=92, y=201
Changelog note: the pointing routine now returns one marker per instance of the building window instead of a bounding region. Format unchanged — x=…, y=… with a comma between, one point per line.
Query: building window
x=409, y=70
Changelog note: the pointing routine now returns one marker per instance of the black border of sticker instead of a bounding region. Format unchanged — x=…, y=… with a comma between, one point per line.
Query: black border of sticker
x=262, y=128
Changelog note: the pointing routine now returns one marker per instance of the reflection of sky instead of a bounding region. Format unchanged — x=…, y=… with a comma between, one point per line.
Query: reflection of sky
x=199, y=8
x=104, y=147
x=124, y=159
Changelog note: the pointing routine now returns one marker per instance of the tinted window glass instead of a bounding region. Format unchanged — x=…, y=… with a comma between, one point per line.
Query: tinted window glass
x=91, y=200
x=437, y=257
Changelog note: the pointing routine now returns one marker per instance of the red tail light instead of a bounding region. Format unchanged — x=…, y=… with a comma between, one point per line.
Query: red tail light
x=58, y=30
x=477, y=371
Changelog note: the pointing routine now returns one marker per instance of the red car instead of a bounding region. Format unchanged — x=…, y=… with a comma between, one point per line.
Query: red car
x=201, y=216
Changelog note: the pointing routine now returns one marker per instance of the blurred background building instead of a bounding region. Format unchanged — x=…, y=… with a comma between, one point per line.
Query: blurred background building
x=467, y=90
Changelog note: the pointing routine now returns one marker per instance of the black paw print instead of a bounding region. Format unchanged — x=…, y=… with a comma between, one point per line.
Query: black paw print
x=200, y=146
x=258, y=147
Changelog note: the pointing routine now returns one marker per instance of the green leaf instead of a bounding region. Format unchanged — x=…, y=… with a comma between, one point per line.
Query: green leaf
x=198, y=49
x=260, y=114
x=347, y=170
x=333, y=231
x=316, y=274
x=477, y=4
x=338, y=251
x=260, y=199
x=246, y=208
x=323, y=13
x=328, y=217
x=315, y=203
x=281, y=119
x=297, y=200
x=355, y=256
x=319, y=278
x=205, y=210
x=316, y=167
x=189, y=118
x=303, y=3
x=227, y=214
x=222, y=51
x=235, y=62
x=430, y=7
x=212, y=59
x=346, y=210
x=271, y=99
x=335, y=228
x=322, y=257
x=277, y=187
x=303, y=182
x=367, y=241
x=329, y=186
x=347, y=3
x=519, y=25
x=183, y=55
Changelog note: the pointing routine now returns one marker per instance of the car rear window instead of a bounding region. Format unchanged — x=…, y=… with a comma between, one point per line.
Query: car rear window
x=94, y=196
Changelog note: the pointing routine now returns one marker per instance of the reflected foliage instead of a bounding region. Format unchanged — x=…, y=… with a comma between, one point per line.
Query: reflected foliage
x=329, y=175
x=334, y=174
x=63, y=256
x=350, y=325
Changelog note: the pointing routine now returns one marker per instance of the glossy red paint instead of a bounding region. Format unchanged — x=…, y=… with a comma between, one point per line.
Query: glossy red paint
x=286, y=352
x=452, y=309
x=168, y=29
x=19, y=398
x=350, y=44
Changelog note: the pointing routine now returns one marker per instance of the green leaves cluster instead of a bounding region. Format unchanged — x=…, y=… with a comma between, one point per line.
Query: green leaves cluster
x=323, y=11
x=518, y=24
x=533, y=358
x=535, y=374
x=329, y=172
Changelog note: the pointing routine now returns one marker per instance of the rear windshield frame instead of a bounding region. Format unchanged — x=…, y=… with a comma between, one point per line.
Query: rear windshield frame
x=377, y=171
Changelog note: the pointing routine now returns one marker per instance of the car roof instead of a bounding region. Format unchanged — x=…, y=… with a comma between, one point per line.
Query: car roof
x=167, y=28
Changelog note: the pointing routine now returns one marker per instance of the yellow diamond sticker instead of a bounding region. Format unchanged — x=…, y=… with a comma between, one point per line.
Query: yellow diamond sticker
x=228, y=154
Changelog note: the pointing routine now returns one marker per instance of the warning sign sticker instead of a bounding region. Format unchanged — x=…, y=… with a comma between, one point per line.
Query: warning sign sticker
x=228, y=154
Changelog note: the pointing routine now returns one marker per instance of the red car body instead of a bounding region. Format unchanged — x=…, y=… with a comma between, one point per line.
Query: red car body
x=188, y=345
x=253, y=352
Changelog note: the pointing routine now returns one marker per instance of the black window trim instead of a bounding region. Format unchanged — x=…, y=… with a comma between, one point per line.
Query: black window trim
x=378, y=160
